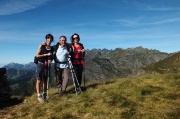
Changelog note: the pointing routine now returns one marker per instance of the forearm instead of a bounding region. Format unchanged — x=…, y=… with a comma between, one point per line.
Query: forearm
x=41, y=55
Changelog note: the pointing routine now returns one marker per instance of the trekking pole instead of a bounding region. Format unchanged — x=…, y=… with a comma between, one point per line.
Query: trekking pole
x=70, y=67
x=84, y=78
x=73, y=75
x=47, y=96
x=83, y=63
x=56, y=76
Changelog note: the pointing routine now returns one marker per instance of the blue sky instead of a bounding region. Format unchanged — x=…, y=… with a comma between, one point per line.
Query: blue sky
x=110, y=24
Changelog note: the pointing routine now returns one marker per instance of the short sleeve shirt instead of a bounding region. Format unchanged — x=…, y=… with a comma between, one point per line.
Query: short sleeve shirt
x=62, y=57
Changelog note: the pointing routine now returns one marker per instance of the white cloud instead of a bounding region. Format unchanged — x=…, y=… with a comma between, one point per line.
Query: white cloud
x=146, y=21
x=154, y=5
x=167, y=21
x=8, y=7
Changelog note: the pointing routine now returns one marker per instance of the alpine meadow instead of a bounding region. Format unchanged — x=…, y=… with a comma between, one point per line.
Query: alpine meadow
x=135, y=83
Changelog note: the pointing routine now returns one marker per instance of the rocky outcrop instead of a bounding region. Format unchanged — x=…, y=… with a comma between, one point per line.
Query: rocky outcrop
x=4, y=86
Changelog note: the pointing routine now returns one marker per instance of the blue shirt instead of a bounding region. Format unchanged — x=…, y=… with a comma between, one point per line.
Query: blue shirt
x=61, y=56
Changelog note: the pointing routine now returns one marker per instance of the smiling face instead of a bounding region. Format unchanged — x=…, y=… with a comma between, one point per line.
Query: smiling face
x=48, y=41
x=62, y=41
x=75, y=38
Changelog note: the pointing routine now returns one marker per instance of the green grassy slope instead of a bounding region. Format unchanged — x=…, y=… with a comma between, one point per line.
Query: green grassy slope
x=140, y=97
x=168, y=65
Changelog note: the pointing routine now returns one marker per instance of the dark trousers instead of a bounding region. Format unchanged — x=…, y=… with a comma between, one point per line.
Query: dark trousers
x=78, y=69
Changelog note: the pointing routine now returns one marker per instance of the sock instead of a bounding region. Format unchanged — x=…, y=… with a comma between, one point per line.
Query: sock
x=39, y=94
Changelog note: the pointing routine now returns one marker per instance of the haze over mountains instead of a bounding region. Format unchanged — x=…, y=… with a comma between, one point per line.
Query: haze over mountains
x=104, y=64
x=18, y=66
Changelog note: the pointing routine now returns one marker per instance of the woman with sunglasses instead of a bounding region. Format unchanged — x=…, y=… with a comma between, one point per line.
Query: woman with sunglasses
x=77, y=58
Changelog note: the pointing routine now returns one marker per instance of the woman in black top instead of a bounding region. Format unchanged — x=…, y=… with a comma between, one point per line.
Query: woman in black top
x=44, y=54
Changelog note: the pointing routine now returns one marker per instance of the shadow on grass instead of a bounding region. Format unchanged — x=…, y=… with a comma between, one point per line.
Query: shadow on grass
x=94, y=85
x=84, y=87
x=10, y=102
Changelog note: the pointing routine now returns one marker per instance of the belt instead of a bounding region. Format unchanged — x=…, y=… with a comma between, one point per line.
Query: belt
x=61, y=62
x=40, y=62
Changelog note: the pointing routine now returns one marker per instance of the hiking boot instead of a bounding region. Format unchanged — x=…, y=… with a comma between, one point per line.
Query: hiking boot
x=63, y=92
x=45, y=97
x=78, y=91
x=59, y=87
x=40, y=98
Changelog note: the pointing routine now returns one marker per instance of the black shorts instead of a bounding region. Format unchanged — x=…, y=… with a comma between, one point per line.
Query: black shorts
x=41, y=71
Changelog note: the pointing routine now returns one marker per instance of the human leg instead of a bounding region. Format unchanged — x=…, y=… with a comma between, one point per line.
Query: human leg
x=78, y=78
x=65, y=79
x=75, y=68
x=38, y=82
x=59, y=78
x=45, y=88
x=39, y=73
x=79, y=73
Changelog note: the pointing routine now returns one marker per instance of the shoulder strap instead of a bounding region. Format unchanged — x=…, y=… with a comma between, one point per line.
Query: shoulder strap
x=56, y=46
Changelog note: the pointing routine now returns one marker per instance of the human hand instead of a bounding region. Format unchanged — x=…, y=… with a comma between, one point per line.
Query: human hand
x=43, y=43
x=49, y=54
x=67, y=53
x=83, y=50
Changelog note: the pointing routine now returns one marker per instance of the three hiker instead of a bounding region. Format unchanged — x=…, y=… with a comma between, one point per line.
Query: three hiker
x=61, y=51
x=44, y=54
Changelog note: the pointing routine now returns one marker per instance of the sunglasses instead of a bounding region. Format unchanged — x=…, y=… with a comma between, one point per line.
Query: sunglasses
x=75, y=38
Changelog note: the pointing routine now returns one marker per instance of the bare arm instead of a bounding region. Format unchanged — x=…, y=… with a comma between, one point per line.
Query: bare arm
x=38, y=55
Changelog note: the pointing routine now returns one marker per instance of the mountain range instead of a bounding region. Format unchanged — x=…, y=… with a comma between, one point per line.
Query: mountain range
x=18, y=66
x=102, y=63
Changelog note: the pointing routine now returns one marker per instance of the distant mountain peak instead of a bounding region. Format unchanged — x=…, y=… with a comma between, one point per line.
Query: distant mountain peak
x=18, y=66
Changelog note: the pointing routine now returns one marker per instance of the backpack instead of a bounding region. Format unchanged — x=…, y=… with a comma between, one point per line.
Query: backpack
x=36, y=60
